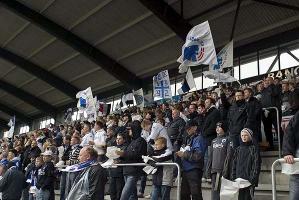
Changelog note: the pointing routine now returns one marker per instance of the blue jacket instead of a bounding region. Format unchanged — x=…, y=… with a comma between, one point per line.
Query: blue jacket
x=193, y=157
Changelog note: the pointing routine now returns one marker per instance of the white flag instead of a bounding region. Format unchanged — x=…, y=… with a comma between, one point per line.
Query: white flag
x=11, y=124
x=86, y=101
x=220, y=77
x=188, y=83
x=161, y=84
x=139, y=98
x=225, y=58
x=199, y=48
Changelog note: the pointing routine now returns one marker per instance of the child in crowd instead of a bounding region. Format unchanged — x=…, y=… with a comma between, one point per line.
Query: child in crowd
x=163, y=178
x=117, y=181
x=45, y=179
x=32, y=174
x=246, y=164
x=219, y=151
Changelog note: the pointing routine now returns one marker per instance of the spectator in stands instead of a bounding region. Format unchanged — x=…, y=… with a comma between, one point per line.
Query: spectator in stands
x=117, y=181
x=254, y=114
x=285, y=98
x=246, y=164
x=94, y=173
x=167, y=112
x=294, y=98
x=290, y=150
x=163, y=178
x=192, y=112
x=271, y=97
x=111, y=137
x=219, y=151
x=201, y=117
x=99, y=143
x=132, y=154
x=32, y=175
x=175, y=129
x=87, y=135
x=12, y=182
x=192, y=163
x=45, y=179
x=237, y=117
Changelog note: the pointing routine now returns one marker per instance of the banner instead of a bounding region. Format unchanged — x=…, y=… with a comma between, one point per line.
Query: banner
x=68, y=116
x=161, y=85
x=225, y=58
x=127, y=99
x=86, y=101
x=198, y=49
x=139, y=98
x=188, y=83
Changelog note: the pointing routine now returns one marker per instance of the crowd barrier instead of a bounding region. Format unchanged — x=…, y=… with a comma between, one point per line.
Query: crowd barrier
x=273, y=173
x=178, y=192
x=278, y=128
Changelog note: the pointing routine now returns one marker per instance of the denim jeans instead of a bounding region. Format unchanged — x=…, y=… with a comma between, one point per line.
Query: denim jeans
x=142, y=184
x=162, y=191
x=115, y=187
x=130, y=189
x=294, y=187
x=62, y=185
x=42, y=194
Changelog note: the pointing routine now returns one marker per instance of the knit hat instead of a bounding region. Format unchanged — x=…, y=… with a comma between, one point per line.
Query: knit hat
x=222, y=125
x=249, y=131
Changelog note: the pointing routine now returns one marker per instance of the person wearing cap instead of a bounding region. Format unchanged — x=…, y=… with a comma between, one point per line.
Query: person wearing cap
x=45, y=179
x=12, y=183
x=192, y=156
x=221, y=146
x=246, y=164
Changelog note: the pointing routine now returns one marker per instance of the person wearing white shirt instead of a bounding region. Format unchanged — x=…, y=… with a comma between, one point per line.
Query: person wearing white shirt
x=88, y=136
x=99, y=143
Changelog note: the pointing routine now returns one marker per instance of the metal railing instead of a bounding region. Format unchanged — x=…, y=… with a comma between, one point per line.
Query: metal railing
x=273, y=173
x=278, y=127
x=178, y=192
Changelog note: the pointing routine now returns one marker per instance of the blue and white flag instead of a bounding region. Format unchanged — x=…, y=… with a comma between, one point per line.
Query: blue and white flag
x=188, y=83
x=198, y=49
x=139, y=98
x=79, y=167
x=11, y=124
x=86, y=101
x=161, y=86
x=220, y=77
x=225, y=58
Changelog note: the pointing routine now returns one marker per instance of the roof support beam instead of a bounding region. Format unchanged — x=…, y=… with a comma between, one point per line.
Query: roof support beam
x=235, y=19
x=278, y=4
x=27, y=97
x=40, y=73
x=169, y=16
x=129, y=79
x=13, y=112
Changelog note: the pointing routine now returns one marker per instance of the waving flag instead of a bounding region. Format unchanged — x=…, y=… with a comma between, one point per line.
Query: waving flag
x=11, y=124
x=220, y=77
x=198, y=49
x=86, y=101
x=224, y=57
x=139, y=98
x=161, y=84
x=188, y=83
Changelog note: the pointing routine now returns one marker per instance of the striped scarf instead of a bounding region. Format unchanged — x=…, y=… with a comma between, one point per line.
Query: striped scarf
x=80, y=166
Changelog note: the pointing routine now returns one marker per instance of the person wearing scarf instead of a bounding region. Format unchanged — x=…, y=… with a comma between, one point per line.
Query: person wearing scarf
x=89, y=169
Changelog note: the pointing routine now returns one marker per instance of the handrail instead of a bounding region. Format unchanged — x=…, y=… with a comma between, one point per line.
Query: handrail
x=278, y=127
x=280, y=161
x=159, y=164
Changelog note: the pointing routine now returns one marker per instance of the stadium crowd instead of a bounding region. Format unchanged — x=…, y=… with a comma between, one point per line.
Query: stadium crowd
x=211, y=135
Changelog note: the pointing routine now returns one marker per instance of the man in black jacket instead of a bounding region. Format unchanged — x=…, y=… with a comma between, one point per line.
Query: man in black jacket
x=32, y=152
x=254, y=114
x=12, y=183
x=175, y=129
x=133, y=154
x=271, y=97
x=290, y=150
x=237, y=117
x=94, y=188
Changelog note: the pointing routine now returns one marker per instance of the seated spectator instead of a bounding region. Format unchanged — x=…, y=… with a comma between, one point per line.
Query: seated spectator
x=192, y=163
x=247, y=164
x=90, y=183
x=163, y=178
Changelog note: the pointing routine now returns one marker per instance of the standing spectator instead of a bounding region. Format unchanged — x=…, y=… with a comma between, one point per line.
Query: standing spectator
x=99, y=143
x=290, y=150
x=96, y=175
x=246, y=164
x=237, y=117
x=45, y=179
x=132, y=154
x=254, y=114
x=12, y=182
x=87, y=135
x=192, y=163
x=192, y=112
x=271, y=97
x=32, y=151
x=285, y=98
x=111, y=137
x=175, y=129
x=117, y=181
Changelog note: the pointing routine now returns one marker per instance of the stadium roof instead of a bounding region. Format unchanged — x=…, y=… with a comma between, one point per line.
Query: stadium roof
x=50, y=49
